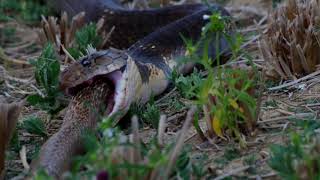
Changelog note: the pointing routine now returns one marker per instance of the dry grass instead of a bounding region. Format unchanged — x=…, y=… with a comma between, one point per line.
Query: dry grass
x=62, y=33
x=291, y=44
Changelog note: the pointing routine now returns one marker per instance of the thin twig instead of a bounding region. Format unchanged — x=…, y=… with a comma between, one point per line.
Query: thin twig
x=161, y=129
x=295, y=82
x=67, y=53
x=135, y=139
x=180, y=141
x=208, y=120
x=106, y=39
x=165, y=96
x=232, y=172
x=5, y=58
x=23, y=157
x=175, y=116
x=301, y=115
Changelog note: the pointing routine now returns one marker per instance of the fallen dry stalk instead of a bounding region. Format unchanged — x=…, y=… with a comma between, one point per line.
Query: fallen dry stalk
x=180, y=141
x=61, y=32
x=9, y=114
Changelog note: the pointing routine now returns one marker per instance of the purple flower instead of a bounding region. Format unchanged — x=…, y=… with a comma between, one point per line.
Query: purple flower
x=102, y=175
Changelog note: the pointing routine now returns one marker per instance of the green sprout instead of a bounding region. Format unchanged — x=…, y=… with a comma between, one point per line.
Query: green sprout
x=47, y=69
x=225, y=93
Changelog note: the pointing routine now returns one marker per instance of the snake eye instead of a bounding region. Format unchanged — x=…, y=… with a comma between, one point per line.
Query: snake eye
x=85, y=62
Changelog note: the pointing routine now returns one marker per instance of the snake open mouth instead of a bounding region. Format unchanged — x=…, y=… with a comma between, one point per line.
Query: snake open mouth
x=113, y=81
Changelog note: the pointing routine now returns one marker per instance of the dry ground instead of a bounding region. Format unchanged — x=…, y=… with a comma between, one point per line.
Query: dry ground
x=224, y=158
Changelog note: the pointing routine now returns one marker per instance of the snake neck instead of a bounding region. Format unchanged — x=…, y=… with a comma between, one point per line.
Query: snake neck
x=81, y=116
x=88, y=104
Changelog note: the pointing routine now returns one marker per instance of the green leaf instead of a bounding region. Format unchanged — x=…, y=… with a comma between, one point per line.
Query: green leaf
x=87, y=35
x=34, y=99
x=47, y=70
x=34, y=125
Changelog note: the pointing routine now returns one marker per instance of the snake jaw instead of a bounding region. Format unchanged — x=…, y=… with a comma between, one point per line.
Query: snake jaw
x=87, y=69
x=131, y=88
x=125, y=90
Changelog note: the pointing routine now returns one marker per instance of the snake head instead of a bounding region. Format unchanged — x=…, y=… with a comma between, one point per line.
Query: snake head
x=98, y=64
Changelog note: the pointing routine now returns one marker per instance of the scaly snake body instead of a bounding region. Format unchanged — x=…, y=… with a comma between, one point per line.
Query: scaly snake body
x=135, y=74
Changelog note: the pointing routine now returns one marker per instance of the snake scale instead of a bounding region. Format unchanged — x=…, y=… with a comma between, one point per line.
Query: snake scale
x=150, y=42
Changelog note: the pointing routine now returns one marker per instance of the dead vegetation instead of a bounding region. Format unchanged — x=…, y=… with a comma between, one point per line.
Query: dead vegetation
x=63, y=33
x=291, y=44
x=9, y=114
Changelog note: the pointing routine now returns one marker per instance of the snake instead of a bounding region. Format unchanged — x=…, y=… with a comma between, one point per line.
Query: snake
x=135, y=65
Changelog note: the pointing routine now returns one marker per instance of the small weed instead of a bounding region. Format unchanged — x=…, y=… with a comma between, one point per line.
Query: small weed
x=186, y=168
x=198, y=167
x=28, y=11
x=149, y=113
x=251, y=160
x=226, y=94
x=85, y=36
x=110, y=157
x=307, y=126
x=41, y=175
x=175, y=104
x=230, y=154
x=188, y=86
x=47, y=69
x=271, y=103
x=270, y=83
x=34, y=125
x=300, y=158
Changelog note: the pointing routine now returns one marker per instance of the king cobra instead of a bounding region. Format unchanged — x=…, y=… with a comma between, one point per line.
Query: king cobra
x=136, y=64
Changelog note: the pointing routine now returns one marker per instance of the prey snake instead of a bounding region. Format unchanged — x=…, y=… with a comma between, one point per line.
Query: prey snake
x=150, y=42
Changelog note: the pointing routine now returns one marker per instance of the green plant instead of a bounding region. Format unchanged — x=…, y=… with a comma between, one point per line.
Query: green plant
x=308, y=126
x=299, y=159
x=188, y=168
x=85, y=36
x=47, y=69
x=229, y=154
x=114, y=155
x=226, y=94
x=149, y=113
x=271, y=103
x=188, y=86
x=175, y=104
x=34, y=125
x=41, y=175
x=27, y=10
